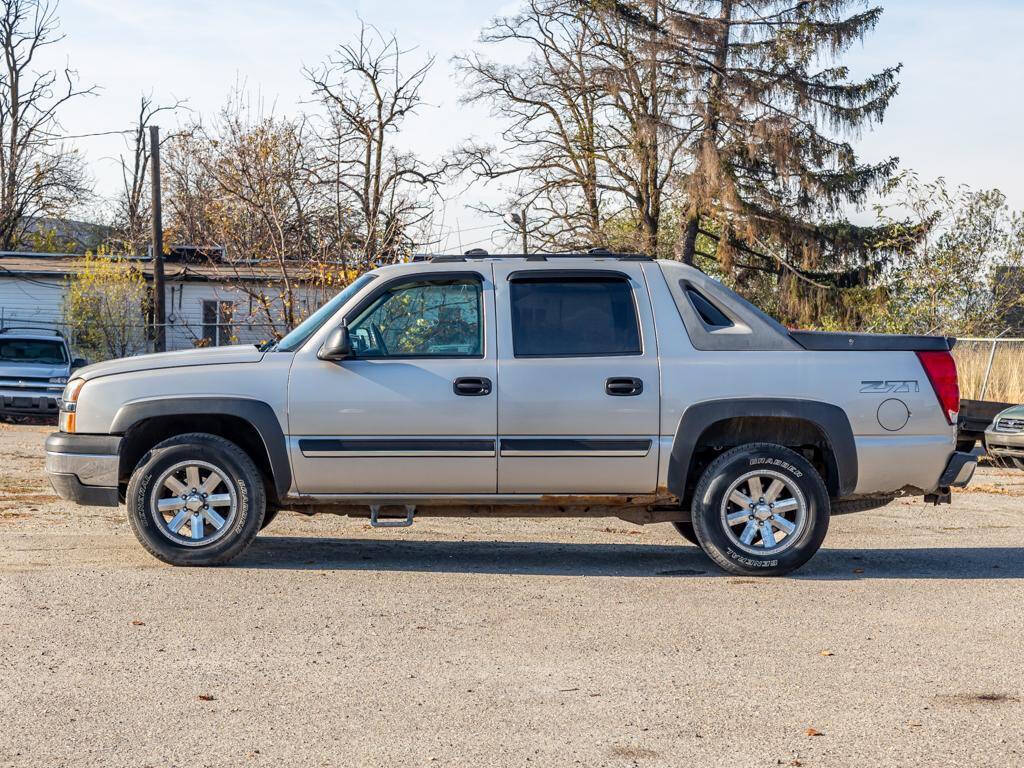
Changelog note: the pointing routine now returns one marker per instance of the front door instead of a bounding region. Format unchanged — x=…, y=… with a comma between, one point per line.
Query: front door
x=579, y=388
x=415, y=410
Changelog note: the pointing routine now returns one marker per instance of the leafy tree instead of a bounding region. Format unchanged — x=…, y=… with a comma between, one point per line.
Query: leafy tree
x=104, y=308
x=958, y=267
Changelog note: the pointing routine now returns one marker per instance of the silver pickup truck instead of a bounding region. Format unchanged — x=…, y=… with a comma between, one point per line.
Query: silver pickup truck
x=558, y=385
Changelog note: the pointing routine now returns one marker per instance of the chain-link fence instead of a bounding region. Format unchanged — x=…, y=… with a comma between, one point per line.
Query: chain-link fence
x=990, y=368
x=179, y=334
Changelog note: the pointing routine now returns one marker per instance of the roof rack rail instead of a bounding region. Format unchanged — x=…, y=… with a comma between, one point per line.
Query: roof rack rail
x=7, y=328
x=480, y=253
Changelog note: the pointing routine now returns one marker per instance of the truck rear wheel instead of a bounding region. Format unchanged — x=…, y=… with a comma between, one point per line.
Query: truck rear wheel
x=760, y=510
x=196, y=499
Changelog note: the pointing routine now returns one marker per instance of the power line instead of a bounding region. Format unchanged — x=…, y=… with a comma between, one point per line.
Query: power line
x=54, y=138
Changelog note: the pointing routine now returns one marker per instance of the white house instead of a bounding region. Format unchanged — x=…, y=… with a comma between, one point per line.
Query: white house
x=206, y=304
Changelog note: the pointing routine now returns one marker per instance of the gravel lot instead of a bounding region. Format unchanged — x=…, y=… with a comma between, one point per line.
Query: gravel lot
x=493, y=643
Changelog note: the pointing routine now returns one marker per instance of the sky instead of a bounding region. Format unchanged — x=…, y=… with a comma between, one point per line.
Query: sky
x=959, y=113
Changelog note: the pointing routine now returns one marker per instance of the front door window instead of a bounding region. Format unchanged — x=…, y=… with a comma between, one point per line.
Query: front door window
x=431, y=318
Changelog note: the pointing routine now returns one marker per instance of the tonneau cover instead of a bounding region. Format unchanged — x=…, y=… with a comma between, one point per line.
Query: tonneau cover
x=825, y=341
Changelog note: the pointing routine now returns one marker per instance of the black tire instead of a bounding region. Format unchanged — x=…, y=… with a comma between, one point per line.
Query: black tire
x=709, y=509
x=240, y=478
x=686, y=531
x=268, y=517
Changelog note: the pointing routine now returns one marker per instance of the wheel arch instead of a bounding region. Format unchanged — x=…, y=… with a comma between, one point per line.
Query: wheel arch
x=732, y=422
x=251, y=424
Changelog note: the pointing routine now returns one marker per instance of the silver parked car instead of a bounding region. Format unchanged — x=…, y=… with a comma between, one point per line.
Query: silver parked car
x=1004, y=439
x=578, y=384
x=34, y=368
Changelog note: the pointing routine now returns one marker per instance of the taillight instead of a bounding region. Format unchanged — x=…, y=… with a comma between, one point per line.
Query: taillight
x=941, y=370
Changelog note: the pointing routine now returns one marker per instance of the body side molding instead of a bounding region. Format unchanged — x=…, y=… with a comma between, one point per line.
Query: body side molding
x=831, y=420
x=259, y=414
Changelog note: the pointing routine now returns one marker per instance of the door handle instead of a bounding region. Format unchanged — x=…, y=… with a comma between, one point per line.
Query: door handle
x=623, y=386
x=472, y=386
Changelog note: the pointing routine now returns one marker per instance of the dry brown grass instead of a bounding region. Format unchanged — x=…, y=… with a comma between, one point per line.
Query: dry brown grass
x=1006, y=383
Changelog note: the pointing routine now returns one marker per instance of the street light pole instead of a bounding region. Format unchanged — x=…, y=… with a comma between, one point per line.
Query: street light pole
x=522, y=223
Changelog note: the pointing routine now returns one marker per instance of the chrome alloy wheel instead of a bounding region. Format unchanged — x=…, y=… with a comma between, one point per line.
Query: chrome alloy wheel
x=194, y=503
x=764, y=512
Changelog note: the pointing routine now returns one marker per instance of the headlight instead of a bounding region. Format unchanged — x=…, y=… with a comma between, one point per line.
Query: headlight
x=58, y=379
x=69, y=405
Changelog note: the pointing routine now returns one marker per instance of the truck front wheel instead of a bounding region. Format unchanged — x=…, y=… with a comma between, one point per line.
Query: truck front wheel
x=760, y=510
x=196, y=499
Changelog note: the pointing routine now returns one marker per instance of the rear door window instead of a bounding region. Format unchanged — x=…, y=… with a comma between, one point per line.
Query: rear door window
x=587, y=316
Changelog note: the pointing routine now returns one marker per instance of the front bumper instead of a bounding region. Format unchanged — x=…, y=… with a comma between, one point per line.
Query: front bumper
x=84, y=468
x=1004, y=444
x=29, y=403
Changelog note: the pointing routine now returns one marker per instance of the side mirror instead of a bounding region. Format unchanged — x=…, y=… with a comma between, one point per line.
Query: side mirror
x=338, y=345
x=78, y=362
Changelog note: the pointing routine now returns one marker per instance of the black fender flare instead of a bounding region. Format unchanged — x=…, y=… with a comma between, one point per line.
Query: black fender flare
x=256, y=412
x=829, y=419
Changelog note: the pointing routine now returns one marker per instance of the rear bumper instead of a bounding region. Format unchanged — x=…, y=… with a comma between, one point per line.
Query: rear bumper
x=84, y=468
x=959, y=470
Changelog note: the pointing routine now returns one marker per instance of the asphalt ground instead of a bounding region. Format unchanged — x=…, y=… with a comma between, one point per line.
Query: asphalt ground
x=509, y=642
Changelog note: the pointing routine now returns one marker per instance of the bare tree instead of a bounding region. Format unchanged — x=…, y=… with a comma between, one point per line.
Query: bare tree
x=132, y=214
x=550, y=149
x=367, y=95
x=247, y=183
x=39, y=175
x=594, y=123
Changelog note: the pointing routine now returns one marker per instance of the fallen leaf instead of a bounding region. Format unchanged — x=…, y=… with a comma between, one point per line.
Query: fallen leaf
x=813, y=732
x=205, y=697
x=827, y=652
x=138, y=623
x=794, y=761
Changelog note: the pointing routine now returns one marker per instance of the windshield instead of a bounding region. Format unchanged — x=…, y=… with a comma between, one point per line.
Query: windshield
x=38, y=351
x=315, y=322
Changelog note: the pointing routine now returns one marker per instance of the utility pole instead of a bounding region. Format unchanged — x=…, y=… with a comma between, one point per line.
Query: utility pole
x=159, y=306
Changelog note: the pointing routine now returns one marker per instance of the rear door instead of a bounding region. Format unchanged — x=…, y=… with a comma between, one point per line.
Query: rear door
x=578, y=395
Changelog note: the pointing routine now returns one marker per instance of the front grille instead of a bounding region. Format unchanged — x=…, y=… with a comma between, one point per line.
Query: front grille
x=29, y=382
x=1010, y=425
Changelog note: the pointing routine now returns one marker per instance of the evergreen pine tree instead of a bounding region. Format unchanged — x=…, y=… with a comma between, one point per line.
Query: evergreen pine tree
x=771, y=171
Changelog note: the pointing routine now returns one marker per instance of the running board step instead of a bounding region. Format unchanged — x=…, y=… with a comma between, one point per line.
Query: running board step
x=392, y=522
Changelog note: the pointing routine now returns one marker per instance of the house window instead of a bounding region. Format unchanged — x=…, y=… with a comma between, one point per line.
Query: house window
x=217, y=315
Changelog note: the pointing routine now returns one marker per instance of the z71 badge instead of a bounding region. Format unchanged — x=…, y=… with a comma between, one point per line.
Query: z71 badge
x=889, y=387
